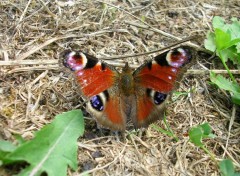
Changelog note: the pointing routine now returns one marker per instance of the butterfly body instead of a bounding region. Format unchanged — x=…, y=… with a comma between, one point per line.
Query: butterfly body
x=140, y=95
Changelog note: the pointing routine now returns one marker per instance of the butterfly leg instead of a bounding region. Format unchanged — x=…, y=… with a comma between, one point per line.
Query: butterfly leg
x=120, y=136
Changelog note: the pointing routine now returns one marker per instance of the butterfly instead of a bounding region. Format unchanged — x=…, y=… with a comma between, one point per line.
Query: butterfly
x=139, y=95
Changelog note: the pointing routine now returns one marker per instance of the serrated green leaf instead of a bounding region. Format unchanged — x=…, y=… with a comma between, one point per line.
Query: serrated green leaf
x=224, y=83
x=195, y=135
x=226, y=168
x=53, y=148
x=230, y=53
x=234, y=28
x=209, y=43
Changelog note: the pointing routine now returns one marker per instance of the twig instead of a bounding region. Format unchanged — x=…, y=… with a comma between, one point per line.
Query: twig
x=159, y=31
x=47, y=9
x=35, y=49
x=153, y=51
x=23, y=69
x=28, y=62
x=230, y=127
x=24, y=12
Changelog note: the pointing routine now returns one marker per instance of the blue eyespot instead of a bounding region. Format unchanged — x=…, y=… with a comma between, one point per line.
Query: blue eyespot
x=96, y=103
x=159, y=98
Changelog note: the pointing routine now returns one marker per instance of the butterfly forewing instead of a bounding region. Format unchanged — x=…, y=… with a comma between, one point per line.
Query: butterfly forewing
x=92, y=75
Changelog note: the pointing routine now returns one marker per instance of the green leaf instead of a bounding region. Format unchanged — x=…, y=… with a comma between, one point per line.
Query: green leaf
x=5, y=148
x=231, y=43
x=207, y=131
x=226, y=168
x=234, y=28
x=209, y=43
x=218, y=22
x=224, y=83
x=195, y=135
x=222, y=38
x=230, y=53
x=177, y=94
x=238, y=48
x=200, y=132
x=159, y=129
x=236, y=98
x=53, y=148
x=206, y=128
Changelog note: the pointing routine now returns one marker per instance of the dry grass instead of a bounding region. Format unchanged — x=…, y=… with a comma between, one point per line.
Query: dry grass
x=33, y=88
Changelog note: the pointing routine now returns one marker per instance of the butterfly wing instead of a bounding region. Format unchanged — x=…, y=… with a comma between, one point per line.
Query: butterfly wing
x=155, y=81
x=98, y=83
x=92, y=75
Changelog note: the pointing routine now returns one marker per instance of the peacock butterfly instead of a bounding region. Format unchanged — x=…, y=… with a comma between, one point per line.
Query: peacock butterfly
x=139, y=95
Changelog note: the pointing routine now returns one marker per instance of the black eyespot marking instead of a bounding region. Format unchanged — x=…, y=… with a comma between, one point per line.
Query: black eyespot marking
x=159, y=98
x=106, y=94
x=161, y=59
x=97, y=103
x=149, y=65
x=103, y=66
x=148, y=92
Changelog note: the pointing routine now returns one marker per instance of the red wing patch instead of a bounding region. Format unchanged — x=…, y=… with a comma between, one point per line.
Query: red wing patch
x=162, y=73
x=144, y=108
x=92, y=75
x=113, y=112
x=160, y=78
x=95, y=80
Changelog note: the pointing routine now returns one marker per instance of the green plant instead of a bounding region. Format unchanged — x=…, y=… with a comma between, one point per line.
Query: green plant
x=168, y=132
x=200, y=132
x=227, y=169
x=203, y=131
x=225, y=41
x=52, y=150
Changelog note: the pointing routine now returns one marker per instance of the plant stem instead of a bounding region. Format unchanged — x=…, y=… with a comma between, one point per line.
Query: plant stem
x=209, y=153
x=226, y=67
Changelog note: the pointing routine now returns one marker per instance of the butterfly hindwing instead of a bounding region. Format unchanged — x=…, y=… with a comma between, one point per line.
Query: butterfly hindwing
x=155, y=81
x=107, y=108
